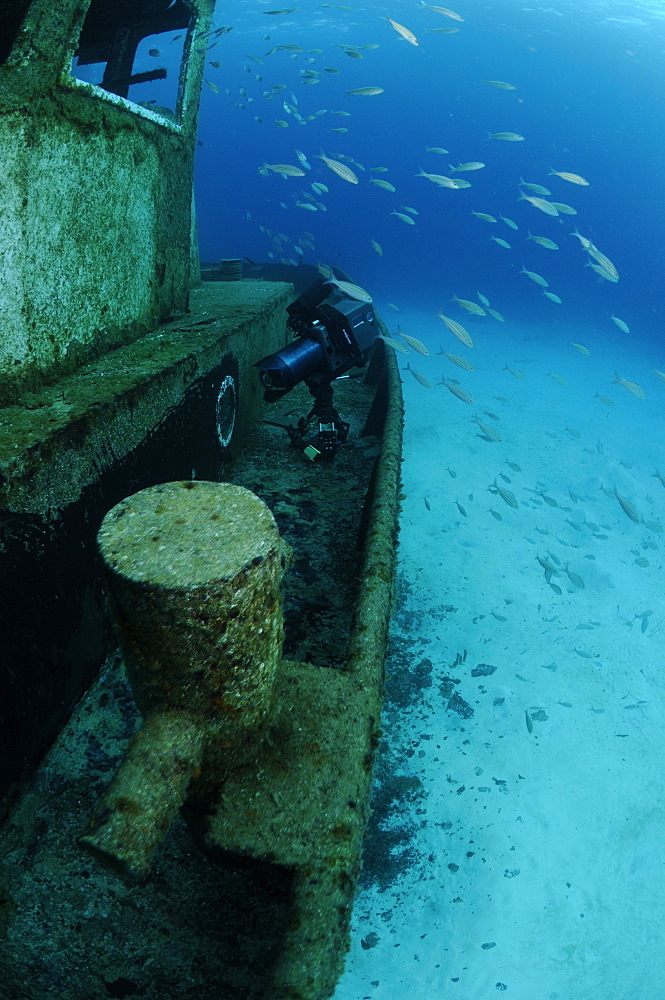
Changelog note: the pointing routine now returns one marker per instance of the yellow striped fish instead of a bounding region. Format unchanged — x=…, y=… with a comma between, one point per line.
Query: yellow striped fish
x=627, y=507
x=395, y=344
x=413, y=342
x=457, y=330
x=402, y=31
x=632, y=387
x=489, y=432
x=505, y=495
x=458, y=391
x=457, y=360
x=471, y=307
x=419, y=377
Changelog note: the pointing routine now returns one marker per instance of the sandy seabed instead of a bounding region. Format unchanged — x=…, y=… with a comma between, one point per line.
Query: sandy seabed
x=535, y=863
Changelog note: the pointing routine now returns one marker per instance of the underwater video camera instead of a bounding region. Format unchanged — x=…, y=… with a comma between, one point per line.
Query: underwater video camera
x=331, y=338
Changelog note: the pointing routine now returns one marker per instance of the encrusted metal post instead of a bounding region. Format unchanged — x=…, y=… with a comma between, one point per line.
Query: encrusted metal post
x=194, y=572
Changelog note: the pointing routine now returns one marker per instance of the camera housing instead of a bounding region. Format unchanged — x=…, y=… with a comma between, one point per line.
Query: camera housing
x=332, y=336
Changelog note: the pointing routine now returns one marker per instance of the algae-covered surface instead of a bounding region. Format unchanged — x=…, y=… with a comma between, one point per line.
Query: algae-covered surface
x=194, y=929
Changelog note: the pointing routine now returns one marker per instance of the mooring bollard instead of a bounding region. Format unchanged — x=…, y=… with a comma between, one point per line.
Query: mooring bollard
x=193, y=573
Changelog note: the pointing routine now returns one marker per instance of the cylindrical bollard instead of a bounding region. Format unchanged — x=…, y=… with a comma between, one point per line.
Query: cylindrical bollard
x=193, y=573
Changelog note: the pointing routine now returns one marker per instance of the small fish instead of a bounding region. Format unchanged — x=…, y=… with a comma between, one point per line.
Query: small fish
x=436, y=149
x=627, y=507
x=620, y=323
x=506, y=136
x=459, y=361
x=552, y=297
x=604, y=399
x=386, y=185
x=529, y=723
x=451, y=473
x=458, y=391
x=484, y=216
x=419, y=377
x=426, y=501
x=563, y=209
x=602, y=272
x=155, y=53
x=395, y=344
x=580, y=347
x=457, y=330
x=550, y=501
x=376, y=247
x=535, y=188
x=604, y=261
x=413, y=342
x=514, y=466
x=284, y=168
x=483, y=298
x=402, y=31
x=514, y=372
x=509, y=222
x=339, y=168
x=353, y=291
x=505, y=495
x=631, y=387
x=497, y=315
x=213, y=87
x=460, y=508
x=405, y=218
x=574, y=433
x=502, y=243
x=364, y=92
x=471, y=165
x=302, y=159
x=442, y=181
x=495, y=514
x=557, y=378
x=661, y=375
x=500, y=84
x=641, y=561
x=544, y=241
x=540, y=203
x=489, y=432
x=572, y=178
x=471, y=307
x=538, y=278
x=442, y=10
x=495, y=614
x=576, y=580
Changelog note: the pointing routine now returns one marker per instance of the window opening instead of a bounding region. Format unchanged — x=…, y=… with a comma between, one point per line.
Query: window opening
x=12, y=16
x=134, y=48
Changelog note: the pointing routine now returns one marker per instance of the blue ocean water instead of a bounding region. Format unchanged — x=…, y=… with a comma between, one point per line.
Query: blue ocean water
x=589, y=98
